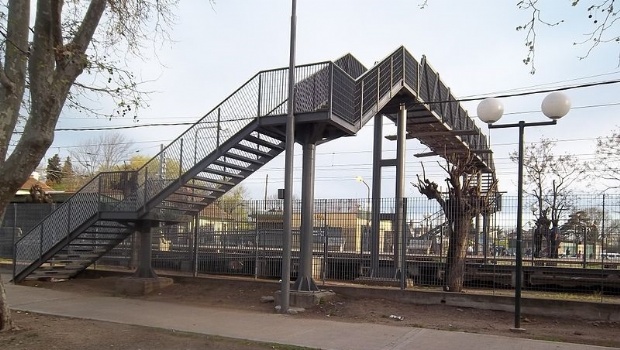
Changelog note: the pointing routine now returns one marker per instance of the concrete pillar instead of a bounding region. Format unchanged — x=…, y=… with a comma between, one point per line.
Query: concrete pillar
x=145, y=254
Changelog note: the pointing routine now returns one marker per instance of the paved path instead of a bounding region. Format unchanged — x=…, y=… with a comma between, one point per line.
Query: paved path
x=276, y=328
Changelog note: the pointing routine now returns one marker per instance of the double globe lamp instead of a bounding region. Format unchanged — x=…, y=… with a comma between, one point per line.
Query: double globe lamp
x=554, y=106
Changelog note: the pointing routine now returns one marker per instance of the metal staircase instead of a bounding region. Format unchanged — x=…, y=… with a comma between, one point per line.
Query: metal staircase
x=227, y=145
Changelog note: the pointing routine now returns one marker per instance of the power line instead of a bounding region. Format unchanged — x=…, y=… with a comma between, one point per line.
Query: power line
x=467, y=99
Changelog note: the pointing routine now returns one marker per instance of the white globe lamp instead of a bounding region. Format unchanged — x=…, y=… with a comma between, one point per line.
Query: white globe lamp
x=555, y=105
x=490, y=110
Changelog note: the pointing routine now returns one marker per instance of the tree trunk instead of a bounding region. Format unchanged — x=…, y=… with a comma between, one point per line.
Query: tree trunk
x=457, y=250
x=6, y=323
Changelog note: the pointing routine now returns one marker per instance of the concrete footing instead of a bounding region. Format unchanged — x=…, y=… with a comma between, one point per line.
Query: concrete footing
x=382, y=282
x=135, y=286
x=305, y=300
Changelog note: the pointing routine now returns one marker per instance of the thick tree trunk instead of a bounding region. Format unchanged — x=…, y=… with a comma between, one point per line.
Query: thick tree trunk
x=457, y=250
x=6, y=323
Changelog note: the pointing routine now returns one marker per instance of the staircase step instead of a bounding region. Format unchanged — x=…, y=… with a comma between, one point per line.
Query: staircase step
x=59, y=267
x=37, y=275
x=253, y=151
x=181, y=209
x=72, y=257
x=204, y=188
x=68, y=263
x=263, y=142
x=244, y=158
x=223, y=173
x=215, y=181
x=231, y=165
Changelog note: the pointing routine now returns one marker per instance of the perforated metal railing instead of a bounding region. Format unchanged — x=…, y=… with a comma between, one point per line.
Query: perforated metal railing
x=262, y=96
x=82, y=206
x=380, y=83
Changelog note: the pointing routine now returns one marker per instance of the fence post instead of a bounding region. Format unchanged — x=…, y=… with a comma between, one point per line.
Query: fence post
x=256, y=238
x=14, y=240
x=195, y=257
x=326, y=243
x=603, y=249
x=403, y=247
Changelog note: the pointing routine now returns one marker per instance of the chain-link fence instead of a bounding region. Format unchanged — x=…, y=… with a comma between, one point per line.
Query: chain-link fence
x=575, y=252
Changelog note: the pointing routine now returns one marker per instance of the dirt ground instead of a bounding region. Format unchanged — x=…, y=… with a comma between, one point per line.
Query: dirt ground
x=246, y=294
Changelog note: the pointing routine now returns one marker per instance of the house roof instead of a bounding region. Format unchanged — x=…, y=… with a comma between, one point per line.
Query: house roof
x=32, y=181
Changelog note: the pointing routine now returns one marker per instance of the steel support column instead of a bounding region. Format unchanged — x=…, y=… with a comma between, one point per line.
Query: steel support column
x=401, y=131
x=285, y=286
x=305, y=282
x=144, y=269
x=376, y=195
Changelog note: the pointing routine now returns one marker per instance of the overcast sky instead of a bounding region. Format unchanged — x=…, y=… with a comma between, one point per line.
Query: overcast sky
x=472, y=44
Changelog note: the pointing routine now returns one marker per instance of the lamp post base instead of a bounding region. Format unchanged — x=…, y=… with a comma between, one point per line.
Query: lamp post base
x=517, y=330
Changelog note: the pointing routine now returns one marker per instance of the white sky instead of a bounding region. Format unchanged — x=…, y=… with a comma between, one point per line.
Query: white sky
x=472, y=44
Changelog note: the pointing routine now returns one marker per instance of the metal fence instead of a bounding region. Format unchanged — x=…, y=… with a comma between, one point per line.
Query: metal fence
x=579, y=260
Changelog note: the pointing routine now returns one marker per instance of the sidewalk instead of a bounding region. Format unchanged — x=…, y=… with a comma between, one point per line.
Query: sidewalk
x=276, y=328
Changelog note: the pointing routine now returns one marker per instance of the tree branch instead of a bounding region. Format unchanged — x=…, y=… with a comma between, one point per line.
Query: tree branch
x=56, y=18
x=5, y=81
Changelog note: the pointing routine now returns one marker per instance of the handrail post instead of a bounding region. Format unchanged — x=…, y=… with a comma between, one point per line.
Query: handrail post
x=330, y=94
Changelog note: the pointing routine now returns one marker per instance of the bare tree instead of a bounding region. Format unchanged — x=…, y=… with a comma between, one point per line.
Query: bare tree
x=601, y=14
x=548, y=179
x=607, y=164
x=103, y=153
x=46, y=45
x=464, y=201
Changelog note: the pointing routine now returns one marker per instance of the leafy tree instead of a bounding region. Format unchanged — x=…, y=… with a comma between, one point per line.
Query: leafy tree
x=548, y=179
x=67, y=168
x=465, y=201
x=53, y=171
x=46, y=45
x=582, y=226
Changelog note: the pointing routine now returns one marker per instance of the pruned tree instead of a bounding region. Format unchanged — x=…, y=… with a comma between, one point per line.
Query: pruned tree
x=607, y=164
x=46, y=45
x=38, y=195
x=549, y=179
x=464, y=201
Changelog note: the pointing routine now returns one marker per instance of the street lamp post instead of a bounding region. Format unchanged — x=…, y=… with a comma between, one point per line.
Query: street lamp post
x=554, y=106
x=361, y=179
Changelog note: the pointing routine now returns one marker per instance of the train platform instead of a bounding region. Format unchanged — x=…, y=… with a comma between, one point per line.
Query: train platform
x=274, y=328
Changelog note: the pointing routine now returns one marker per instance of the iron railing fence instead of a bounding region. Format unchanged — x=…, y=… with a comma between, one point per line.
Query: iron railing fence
x=247, y=240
